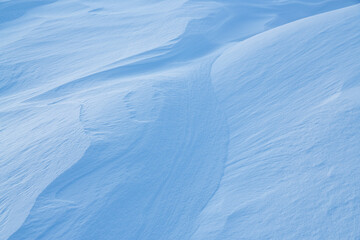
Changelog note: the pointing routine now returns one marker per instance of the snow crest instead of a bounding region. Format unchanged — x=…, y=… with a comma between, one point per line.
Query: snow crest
x=179, y=119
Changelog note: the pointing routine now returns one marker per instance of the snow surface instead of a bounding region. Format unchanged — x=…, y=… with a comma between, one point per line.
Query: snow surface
x=179, y=119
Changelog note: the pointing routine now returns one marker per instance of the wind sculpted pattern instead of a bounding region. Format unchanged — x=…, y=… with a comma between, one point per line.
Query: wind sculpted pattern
x=179, y=119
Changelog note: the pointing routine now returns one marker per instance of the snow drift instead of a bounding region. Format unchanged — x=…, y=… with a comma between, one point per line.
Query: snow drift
x=179, y=119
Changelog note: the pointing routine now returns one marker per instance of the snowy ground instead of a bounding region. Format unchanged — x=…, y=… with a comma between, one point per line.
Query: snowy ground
x=179, y=119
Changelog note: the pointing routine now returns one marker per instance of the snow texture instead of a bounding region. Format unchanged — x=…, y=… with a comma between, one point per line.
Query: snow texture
x=179, y=119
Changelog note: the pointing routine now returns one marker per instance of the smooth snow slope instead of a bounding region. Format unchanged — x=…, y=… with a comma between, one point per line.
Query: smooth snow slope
x=292, y=101
x=154, y=120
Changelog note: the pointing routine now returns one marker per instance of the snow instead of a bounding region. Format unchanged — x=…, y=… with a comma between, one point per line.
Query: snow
x=293, y=132
x=181, y=119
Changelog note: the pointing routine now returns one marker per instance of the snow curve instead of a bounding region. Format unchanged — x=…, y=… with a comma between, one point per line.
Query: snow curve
x=178, y=119
x=293, y=158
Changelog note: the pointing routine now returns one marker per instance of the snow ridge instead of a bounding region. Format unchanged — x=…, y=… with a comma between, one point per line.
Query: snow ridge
x=179, y=119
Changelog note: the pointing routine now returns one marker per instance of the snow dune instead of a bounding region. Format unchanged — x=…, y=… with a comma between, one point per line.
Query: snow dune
x=292, y=103
x=179, y=119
